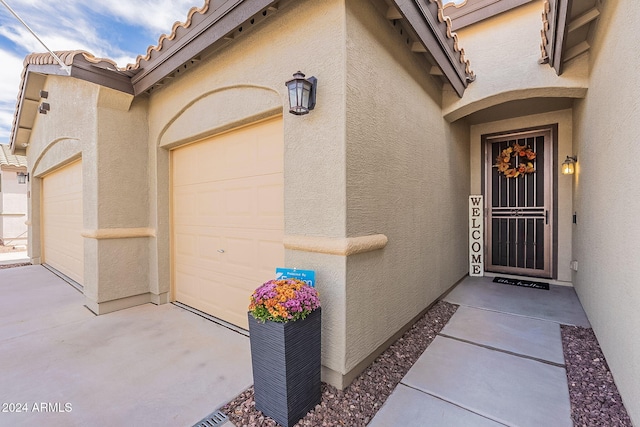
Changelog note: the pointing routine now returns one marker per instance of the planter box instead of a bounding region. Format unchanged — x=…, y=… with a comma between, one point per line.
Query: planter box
x=286, y=367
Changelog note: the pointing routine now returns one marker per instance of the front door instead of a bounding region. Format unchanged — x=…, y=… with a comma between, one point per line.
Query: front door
x=519, y=203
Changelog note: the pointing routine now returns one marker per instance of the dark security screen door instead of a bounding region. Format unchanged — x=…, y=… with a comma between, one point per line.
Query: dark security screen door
x=519, y=218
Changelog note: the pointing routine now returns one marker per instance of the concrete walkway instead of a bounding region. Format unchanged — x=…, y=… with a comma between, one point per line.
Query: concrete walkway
x=498, y=361
x=149, y=365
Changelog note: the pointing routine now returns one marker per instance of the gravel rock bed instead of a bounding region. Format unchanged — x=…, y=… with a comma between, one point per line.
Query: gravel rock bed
x=356, y=405
x=595, y=400
x=13, y=265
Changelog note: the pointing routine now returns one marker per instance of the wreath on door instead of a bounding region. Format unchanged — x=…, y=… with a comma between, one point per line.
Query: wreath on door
x=516, y=161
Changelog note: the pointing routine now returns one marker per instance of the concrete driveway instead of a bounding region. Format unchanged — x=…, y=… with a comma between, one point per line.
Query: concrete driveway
x=60, y=365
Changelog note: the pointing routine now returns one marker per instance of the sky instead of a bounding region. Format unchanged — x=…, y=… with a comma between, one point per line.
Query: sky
x=116, y=29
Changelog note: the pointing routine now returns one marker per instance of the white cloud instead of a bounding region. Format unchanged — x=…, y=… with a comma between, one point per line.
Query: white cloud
x=72, y=24
x=9, y=80
x=10, y=71
x=158, y=16
x=67, y=25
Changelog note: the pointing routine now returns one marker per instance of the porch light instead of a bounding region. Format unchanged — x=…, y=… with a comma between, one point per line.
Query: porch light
x=568, y=167
x=22, y=177
x=302, y=94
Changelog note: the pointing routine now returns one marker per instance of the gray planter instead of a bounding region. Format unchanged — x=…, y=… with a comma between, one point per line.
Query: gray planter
x=286, y=367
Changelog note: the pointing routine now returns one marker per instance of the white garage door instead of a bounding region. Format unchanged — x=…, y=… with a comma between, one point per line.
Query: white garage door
x=62, y=243
x=228, y=218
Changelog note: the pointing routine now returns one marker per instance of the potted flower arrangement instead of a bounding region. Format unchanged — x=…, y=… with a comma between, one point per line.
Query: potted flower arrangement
x=284, y=329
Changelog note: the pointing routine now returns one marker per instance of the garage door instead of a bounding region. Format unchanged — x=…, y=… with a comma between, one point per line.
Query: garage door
x=227, y=218
x=62, y=243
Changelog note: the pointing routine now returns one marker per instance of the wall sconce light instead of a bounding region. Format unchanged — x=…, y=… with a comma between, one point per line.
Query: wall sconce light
x=44, y=107
x=568, y=167
x=302, y=94
x=23, y=177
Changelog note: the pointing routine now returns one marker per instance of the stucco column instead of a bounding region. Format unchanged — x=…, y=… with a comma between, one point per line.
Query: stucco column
x=116, y=192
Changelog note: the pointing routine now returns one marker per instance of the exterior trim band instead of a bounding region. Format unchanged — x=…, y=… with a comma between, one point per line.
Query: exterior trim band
x=118, y=233
x=336, y=246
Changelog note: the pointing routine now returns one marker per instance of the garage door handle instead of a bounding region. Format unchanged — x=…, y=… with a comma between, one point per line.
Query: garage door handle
x=221, y=251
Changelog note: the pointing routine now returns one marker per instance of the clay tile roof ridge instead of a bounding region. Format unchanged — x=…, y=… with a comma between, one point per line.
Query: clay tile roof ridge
x=174, y=30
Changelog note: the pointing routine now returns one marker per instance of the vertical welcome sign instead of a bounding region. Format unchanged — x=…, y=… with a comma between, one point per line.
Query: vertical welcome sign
x=476, y=236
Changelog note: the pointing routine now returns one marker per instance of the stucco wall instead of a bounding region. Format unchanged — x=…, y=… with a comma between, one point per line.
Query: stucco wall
x=607, y=197
x=243, y=83
x=57, y=139
x=563, y=183
x=13, y=209
x=407, y=178
x=504, y=53
x=108, y=132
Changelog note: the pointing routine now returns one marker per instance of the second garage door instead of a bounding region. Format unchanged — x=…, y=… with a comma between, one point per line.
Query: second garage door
x=227, y=218
x=61, y=228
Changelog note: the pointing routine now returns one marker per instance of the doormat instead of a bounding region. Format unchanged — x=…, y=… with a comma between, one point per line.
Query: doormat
x=523, y=283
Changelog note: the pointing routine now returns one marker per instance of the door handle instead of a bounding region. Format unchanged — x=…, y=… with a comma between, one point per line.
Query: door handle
x=546, y=217
x=221, y=251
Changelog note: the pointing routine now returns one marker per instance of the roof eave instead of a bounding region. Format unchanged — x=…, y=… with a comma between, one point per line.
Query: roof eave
x=560, y=12
x=422, y=16
x=563, y=30
x=19, y=147
x=81, y=68
x=206, y=31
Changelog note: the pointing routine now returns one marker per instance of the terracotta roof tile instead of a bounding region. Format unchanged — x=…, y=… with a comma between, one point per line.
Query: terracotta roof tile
x=544, y=44
x=453, y=36
x=8, y=159
x=177, y=25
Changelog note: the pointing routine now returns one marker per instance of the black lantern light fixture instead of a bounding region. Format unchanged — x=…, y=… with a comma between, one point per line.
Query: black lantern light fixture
x=568, y=167
x=22, y=177
x=302, y=94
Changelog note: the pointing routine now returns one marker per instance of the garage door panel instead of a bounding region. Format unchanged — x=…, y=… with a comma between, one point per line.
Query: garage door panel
x=186, y=244
x=228, y=298
x=228, y=218
x=254, y=150
x=251, y=202
x=270, y=253
x=62, y=221
x=241, y=250
x=270, y=201
x=185, y=204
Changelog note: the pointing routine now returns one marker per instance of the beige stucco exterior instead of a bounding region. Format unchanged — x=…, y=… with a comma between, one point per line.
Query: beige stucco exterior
x=344, y=215
x=606, y=235
x=376, y=177
x=594, y=107
x=407, y=178
x=505, y=51
x=96, y=124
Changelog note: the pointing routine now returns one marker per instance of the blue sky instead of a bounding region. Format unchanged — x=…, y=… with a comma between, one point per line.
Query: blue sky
x=115, y=29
